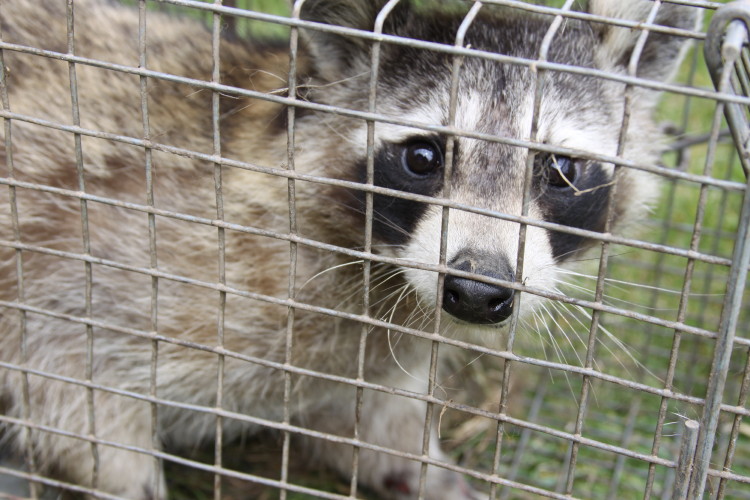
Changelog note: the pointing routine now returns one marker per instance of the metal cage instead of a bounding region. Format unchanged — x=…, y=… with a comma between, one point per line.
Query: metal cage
x=648, y=399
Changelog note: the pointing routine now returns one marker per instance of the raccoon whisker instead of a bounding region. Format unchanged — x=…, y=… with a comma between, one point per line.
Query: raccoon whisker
x=620, y=345
x=331, y=84
x=384, y=301
x=351, y=290
x=570, y=284
x=193, y=93
x=324, y=271
x=390, y=343
x=563, y=257
x=344, y=137
x=377, y=216
x=579, y=192
x=385, y=220
x=466, y=365
x=536, y=316
x=629, y=283
x=537, y=329
x=558, y=352
x=230, y=96
x=401, y=290
x=420, y=315
x=387, y=276
x=257, y=71
x=552, y=340
x=424, y=320
x=415, y=317
x=354, y=284
x=421, y=308
x=566, y=313
x=591, y=292
x=613, y=299
x=383, y=245
x=386, y=293
x=553, y=317
x=555, y=265
x=588, y=291
x=442, y=384
x=386, y=309
x=239, y=109
x=381, y=301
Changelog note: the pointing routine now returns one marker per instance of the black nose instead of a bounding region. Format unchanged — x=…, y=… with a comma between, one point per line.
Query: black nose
x=477, y=302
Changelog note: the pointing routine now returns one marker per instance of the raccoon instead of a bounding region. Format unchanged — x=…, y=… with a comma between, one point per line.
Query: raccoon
x=134, y=299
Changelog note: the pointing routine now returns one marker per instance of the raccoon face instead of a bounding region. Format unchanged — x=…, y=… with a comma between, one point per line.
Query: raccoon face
x=577, y=112
x=490, y=176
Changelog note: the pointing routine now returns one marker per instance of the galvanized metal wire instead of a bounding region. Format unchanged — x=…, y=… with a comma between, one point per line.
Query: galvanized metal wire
x=705, y=456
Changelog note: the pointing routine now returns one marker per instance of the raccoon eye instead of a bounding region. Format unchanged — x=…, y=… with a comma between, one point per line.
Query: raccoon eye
x=559, y=171
x=422, y=158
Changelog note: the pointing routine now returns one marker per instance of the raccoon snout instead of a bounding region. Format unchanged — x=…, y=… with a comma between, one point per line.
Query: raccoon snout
x=476, y=302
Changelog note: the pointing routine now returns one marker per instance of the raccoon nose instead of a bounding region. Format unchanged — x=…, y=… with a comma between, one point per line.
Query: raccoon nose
x=477, y=302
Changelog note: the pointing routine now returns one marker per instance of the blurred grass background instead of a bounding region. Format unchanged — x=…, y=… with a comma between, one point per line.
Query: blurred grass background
x=642, y=281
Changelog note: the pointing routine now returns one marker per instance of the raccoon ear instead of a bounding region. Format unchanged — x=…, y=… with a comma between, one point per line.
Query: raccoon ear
x=662, y=53
x=335, y=56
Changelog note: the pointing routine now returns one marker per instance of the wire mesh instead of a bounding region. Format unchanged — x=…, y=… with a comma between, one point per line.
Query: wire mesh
x=632, y=382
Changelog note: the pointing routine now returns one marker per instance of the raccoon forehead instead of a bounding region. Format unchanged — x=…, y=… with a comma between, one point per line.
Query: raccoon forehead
x=571, y=131
x=476, y=111
x=583, y=124
x=431, y=112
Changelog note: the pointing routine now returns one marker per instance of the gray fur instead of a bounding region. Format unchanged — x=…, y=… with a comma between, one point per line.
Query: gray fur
x=578, y=112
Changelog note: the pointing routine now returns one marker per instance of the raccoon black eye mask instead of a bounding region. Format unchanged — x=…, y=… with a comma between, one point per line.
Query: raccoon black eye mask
x=574, y=193
x=155, y=328
x=414, y=166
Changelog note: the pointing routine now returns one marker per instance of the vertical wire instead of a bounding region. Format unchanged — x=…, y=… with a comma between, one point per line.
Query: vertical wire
x=89, y=368
x=605, y=251
x=153, y=260
x=28, y=436
x=369, y=214
x=221, y=235
x=291, y=193
x=445, y=213
x=538, y=83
